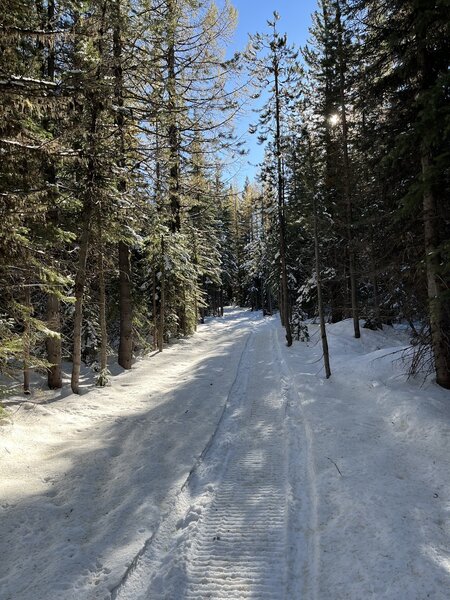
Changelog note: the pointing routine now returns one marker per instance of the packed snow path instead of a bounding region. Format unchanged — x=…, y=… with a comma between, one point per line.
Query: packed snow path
x=227, y=537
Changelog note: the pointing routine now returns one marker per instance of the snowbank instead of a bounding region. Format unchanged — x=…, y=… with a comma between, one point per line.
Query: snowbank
x=380, y=455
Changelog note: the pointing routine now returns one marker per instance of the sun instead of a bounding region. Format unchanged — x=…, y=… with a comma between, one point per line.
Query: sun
x=333, y=119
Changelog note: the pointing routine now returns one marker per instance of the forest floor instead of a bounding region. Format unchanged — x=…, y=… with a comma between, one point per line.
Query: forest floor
x=227, y=467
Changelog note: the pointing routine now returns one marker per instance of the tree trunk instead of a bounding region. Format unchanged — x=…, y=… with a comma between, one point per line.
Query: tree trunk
x=280, y=303
x=182, y=312
x=125, y=356
x=195, y=311
x=125, y=353
x=437, y=283
x=376, y=302
x=346, y=178
x=155, y=314
x=323, y=331
x=103, y=376
x=26, y=341
x=174, y=168
x=437, y=290
x=281, y=211
x=205, y=298
x=162, y=306
x=80, y=282
x=53, y=343
x=87, y=214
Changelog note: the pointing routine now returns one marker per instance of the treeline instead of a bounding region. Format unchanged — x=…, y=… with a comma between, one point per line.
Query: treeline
x=115, y=118
x=354, y=196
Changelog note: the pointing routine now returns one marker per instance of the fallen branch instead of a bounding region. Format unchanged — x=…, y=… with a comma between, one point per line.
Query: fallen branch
x=331, y=460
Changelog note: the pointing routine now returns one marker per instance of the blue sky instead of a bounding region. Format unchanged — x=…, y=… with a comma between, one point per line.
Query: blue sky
x=253, y=15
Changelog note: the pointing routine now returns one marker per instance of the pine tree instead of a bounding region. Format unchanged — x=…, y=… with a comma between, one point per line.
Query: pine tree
x=332, y=59
x=186, y=40
x=121, y=31
x=277, y=67
x=27, y=183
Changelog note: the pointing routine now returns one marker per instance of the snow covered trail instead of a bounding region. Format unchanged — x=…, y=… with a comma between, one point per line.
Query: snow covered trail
x=228, y=468
x=228, y=534
x=85, y=481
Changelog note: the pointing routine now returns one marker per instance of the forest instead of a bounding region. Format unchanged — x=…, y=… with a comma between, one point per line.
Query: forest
x=120, y=227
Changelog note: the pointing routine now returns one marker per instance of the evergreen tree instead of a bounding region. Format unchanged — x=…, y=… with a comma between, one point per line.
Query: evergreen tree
x=277, y=68
x=410, y=75
x=30, y=149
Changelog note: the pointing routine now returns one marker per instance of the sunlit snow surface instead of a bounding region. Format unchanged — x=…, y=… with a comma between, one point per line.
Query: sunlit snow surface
x=228, y=467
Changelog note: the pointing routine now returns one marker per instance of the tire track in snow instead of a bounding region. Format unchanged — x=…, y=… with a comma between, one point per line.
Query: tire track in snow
x=240, y=548
x=132, y=582
x=226, y=538
x=304, y=499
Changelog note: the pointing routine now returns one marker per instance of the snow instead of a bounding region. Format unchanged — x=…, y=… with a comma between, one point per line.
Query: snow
x=383, y=526
x=229, y=467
